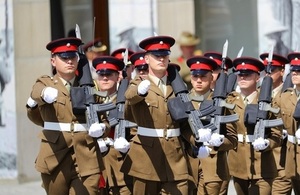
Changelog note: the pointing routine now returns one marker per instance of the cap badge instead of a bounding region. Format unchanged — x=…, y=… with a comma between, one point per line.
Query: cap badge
x=198, y=62
x=243, y=63
x=296, y=58
x=161, y=42
x=104, y=62
x=211, y=57
x=141, y=58
x=68, y=44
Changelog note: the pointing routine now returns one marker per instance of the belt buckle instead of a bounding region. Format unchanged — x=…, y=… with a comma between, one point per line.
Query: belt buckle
x=166, y=134
x=72, y=126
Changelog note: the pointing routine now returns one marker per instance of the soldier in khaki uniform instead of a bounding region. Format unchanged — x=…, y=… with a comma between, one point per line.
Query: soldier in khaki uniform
x=213, y=169
x=281, y=184
x=187, y=43
x=287, y=103
x=251, y=165
x=68, y=160
x=108, y=68
x=156, y=159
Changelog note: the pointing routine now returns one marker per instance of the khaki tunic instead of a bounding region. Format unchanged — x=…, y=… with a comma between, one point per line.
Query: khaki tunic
x=287, y=103
x=215, y=167
x=154, y=158
x=244, y=162
x=56, y=145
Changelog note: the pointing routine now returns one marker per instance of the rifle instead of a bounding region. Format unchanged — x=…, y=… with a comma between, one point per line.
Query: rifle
x=219, y=97
x=181, y=107
x=116, y=116
x=83, y=99
x=264, y=104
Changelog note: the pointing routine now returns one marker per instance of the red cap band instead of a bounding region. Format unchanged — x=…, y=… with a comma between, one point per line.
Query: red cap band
x=64, y=48
x=107, y=66
x=247, y=67
x=157, y=46
x=202, y=66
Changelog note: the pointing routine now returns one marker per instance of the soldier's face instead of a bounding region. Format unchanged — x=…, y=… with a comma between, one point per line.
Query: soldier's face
x=201, y=83
x=277, y=74
x=296, y=77
x=246, y=81
x=157, y=63
x=108, y=82
x=65, y=66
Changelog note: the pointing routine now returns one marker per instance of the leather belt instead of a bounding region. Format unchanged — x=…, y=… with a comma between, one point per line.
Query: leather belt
x=158, y=132
x=245, y=138
x=293, y=139
x=75, y=127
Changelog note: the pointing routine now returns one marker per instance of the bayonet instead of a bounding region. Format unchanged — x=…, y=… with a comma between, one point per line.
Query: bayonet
x=270, y=58
x=240, y=52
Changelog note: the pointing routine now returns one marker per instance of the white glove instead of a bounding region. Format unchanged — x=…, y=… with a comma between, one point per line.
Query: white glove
x=216, y=139
x=284, y=133
x=97, y=129
x=121, y=144
x=31, y=103
x=102, y=145
x=50, y=94
x=204, y=135
x=203, y=152
x=143, y=87
x=260, y=144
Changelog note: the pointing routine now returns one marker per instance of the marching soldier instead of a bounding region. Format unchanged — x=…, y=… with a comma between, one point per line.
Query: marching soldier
x=108, y=68
x=251, y=164
x=281, y=184
x=156, y=159
x=120, y=54
x=140, y=66
x=288, y=103
x=68, y=160
x=213, y=170
x=187, y=43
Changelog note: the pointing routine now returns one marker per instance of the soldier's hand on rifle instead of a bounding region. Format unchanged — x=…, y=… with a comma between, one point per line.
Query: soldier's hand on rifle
x=260, y=144
x=49, y=94
x=204, y=135
x=143, y=87
x=97, y=129
x=216, y=139
x=31, y=103
x=122, y=145
x=284, y=133
x=102, y=145
x=203, y=152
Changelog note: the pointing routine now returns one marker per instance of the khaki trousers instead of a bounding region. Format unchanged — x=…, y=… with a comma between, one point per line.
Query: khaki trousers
x=146, y=187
